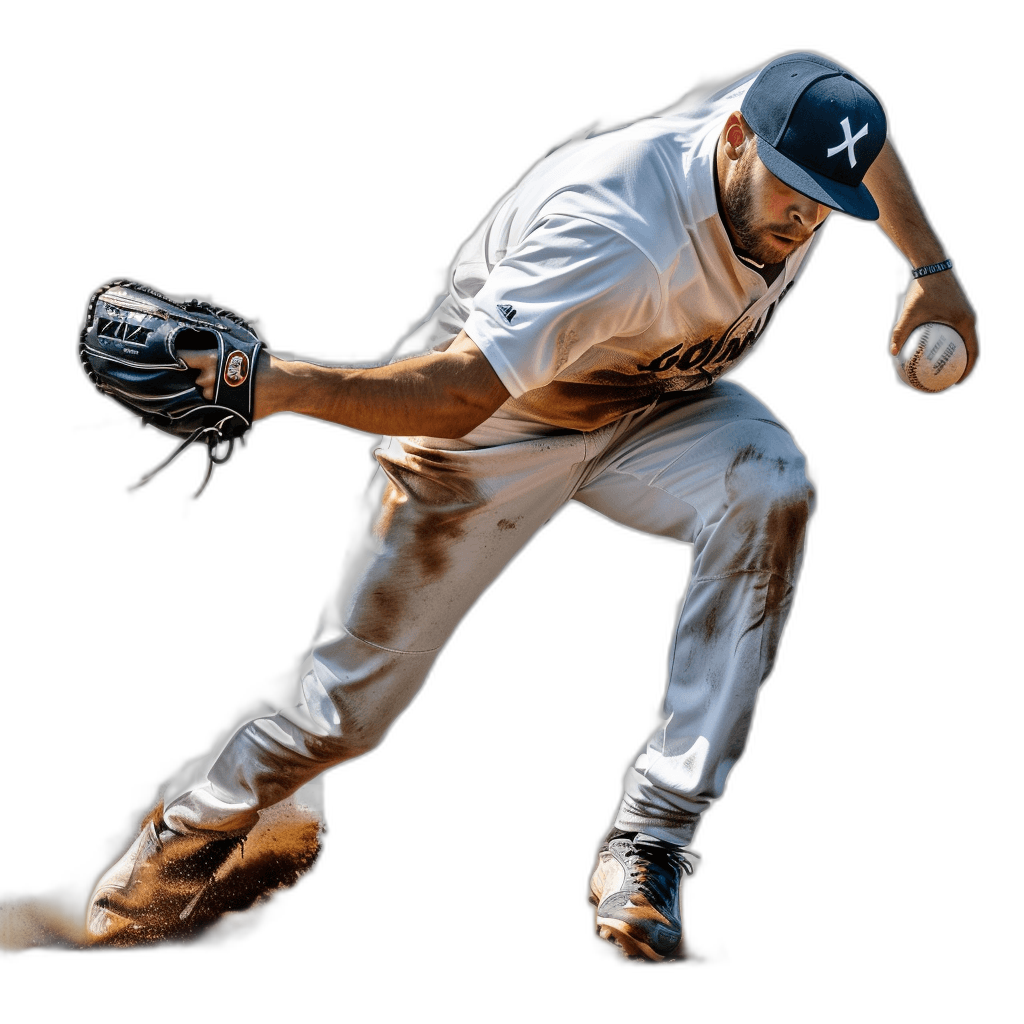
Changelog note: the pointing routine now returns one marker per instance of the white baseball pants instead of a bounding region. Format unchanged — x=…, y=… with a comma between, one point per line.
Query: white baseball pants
x=713, y=468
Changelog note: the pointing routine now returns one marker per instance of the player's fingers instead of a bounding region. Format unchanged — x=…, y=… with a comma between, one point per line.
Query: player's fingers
x=937, y=298
x=900, y=334
x=908, y=318
x=205, y=361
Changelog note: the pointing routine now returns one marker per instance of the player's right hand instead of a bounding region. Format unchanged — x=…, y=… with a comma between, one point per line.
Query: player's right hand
x=938, y=298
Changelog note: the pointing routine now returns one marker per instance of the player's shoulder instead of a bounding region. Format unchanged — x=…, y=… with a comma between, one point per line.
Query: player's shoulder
x=653, y=154
x=628, y=180
x=650, y=181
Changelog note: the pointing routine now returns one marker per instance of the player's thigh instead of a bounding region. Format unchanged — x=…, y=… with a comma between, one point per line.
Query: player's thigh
x=448, y=522
x=677, y=468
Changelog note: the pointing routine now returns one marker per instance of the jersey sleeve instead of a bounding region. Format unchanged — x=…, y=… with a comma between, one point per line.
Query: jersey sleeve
x=570, y=284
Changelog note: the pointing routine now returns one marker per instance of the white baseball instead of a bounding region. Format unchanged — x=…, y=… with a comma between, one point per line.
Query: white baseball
x=932, y=358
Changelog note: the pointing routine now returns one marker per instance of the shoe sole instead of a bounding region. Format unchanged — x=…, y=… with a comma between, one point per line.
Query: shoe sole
x=615, y=931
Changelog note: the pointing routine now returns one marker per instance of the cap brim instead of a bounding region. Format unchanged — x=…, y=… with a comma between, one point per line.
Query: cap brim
x=852, y=199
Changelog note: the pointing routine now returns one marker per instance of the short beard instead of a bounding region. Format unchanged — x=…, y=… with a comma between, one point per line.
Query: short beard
x=739, y=205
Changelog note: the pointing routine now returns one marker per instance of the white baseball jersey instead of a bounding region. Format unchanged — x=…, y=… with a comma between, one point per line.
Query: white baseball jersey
x=606, y=278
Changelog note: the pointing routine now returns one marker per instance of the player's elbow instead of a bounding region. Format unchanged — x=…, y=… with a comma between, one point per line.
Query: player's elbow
x=467, y=409
x=453, y=393
x=461, y=419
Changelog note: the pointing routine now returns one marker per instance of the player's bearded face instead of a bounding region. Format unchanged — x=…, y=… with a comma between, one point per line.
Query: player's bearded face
x=769, y=219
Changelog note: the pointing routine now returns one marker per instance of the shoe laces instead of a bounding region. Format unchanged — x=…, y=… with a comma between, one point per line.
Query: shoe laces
x=654, y=868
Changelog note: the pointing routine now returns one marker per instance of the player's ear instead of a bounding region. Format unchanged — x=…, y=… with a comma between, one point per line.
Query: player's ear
x=735, y=136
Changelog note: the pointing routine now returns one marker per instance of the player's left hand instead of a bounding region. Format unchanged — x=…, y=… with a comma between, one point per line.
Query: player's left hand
x=205, y=361
x=937, y=298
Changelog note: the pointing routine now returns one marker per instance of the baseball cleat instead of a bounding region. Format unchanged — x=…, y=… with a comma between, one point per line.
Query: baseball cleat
x=154, y=888
x=636, y=889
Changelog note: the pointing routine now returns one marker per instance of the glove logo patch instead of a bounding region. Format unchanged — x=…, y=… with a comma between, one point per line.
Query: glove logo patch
x=236, y=369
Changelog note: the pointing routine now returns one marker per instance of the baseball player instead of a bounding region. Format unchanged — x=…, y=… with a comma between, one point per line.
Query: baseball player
x=578, y=354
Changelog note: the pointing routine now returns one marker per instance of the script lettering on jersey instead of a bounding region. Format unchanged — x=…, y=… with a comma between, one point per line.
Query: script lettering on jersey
x=710, y=357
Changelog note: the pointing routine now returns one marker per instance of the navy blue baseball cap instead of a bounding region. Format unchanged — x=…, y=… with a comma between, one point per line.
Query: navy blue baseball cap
x=818, y=130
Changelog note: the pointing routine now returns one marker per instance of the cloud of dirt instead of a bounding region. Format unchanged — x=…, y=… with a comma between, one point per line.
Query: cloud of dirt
x=277, y=852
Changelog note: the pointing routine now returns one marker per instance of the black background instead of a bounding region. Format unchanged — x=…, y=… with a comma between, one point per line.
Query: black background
x=327, y=197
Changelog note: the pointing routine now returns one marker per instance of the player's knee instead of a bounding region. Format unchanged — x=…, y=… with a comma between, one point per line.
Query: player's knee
x=795, y=489
x=770, y=499
x=789, y=503
x=789, y=499
x=770, y=477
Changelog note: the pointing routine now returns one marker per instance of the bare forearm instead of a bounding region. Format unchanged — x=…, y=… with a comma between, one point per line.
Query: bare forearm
x=900, y=214
x=440, y=395
x=935, y=297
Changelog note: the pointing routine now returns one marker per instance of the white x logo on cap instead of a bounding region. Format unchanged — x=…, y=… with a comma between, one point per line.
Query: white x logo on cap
x=849, y=141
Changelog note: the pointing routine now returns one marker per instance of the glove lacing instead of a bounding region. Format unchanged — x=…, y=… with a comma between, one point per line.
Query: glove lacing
x=213, y=437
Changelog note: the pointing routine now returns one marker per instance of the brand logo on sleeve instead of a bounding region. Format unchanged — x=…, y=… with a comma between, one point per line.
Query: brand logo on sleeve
x=507, y=311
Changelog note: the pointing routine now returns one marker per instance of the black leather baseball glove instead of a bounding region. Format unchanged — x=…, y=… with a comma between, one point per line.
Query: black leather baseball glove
x=129, y=348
